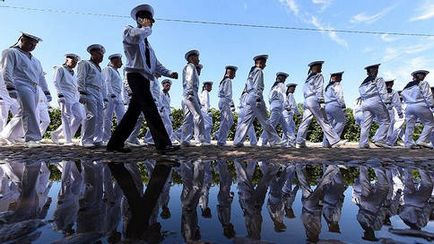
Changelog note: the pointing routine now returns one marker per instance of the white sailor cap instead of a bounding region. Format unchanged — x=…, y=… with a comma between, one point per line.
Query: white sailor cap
x=191, y=52
x=318, y=62
x=116, y=55
x=73, y=56
x=166, y=81
x=262, y=56
x=337, y=73
x=232, y=67
x=291, y=84
x=95, y=46
x=282, y=74
x=208, y=82
x=372, y=66
x=143, y=7
x=425, y=72
x=31, y=36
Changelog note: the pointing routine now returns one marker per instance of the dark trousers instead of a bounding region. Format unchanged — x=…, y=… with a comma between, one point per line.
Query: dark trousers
x=141, y=101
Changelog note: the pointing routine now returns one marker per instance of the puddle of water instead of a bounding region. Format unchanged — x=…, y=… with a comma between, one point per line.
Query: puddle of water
x=214, y=201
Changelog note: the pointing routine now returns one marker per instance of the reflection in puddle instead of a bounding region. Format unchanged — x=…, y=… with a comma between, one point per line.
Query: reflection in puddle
x=214, y=201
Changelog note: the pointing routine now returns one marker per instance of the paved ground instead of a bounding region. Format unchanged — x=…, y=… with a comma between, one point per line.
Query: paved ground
x=348, y=153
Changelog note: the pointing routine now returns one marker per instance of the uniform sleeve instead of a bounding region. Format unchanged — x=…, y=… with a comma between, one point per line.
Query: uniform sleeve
x=382, y=90
x=7, y=64
x=160, y=69
x=107, y=76
x=319, y=88
x=340, y=95
x=82, y=70
x=43, y=83
x=135, y=35
x=57, y=78
x=426, y=93
x=188, y=79
x=396, y=102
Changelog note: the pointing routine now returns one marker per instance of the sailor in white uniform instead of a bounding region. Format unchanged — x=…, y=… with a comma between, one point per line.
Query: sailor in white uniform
x=419, y=101
x=114, y=86
x=374, y=99
x=255, y=106
x=72, y=111
x=291, y=110
x=226, y=105
x=206, y=110
x=277, y=100
x=93, y=95
x=335, y=105
x=22, y=74
x=395, y=113
x=314, y=105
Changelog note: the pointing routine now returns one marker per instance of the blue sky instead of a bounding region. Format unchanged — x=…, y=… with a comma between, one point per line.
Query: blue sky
x=290, y=51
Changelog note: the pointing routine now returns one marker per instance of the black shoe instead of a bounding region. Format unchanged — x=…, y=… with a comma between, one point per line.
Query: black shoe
x=168, y=148
x=118, y=149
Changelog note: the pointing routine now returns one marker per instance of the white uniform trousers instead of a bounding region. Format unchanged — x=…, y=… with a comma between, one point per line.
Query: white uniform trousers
x=192, y=109
x=290, y=136
x=93, y=124
x=226, y=122
x=116, y=106
x=73, y=116
x=337, y=119
x=254, y=110
x=311, y=109
x=423, y=113
x=373, y=108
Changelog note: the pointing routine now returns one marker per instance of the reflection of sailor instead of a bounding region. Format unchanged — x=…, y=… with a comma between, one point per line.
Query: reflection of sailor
x=370, y=200
x=192, y=174
x=275, y=200
x=204, y=195
x=333, y=200
x=416, y=211
x=311, y=212
x=65, y=214
x=289, y=191
x=252, y=198
x=225, y=198
x=112, y=199
x=91, y=212
x=394, y=194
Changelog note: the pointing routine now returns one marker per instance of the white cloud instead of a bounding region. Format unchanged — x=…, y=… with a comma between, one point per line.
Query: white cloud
x=425, y=11
x=401, y=71
x=369, y=19
x=388, y=38
x=329, y=30
x=392, y=53
x=322, y=3
x=291, y=5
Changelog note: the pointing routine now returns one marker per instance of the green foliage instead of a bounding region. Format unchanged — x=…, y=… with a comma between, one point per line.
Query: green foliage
x=351, y=131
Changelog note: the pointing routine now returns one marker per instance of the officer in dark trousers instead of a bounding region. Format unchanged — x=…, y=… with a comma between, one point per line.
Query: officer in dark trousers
x=141, y=66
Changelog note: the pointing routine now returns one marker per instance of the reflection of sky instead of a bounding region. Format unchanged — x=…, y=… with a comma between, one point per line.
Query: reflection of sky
x=211, y=230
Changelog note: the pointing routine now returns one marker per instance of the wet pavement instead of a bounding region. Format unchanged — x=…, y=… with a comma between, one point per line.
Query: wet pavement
x=197, y=200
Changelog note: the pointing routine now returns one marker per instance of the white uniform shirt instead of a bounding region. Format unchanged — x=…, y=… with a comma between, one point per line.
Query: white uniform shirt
x=204, y=101
x=4, y=94
x=113, y=81
x=190, y=80
x=165, y=101
x=89, y=76
x=225, y=91
x=18, y=68
x=395, y=101
x=418, y=93
x=277, y=96
x=377, y=87
x=135, y=49
x=66, y=84
x=335, y=94
x=255, y=82
x=314, y=86
x=291, y=104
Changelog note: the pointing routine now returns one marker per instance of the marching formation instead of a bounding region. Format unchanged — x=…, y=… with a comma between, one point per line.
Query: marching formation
x=89, y=96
